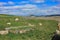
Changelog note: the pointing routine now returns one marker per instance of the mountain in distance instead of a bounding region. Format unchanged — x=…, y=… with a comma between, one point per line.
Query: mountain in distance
x=46, y=15
x=33, y=15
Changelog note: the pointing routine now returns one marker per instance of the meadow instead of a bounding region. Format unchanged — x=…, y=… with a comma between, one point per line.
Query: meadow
x=41, y=32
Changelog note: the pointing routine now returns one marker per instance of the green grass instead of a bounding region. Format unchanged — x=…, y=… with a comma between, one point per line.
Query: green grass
x=40, y=33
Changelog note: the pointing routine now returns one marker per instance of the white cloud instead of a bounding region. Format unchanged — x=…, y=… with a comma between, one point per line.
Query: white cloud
x=18, y=9
x=56, y=7
x=30, y=9
x=11, y=3
x=23, y=2
x=56, y=0
x=6, y=3
x=27, y=6
x=2, y=3
x=38, y=1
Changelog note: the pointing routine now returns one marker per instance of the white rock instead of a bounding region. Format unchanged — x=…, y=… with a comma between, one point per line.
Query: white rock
x=4, y=32
x=31, y=24
x=9, y=23
x=16, y=19
x=22, y=31
x=40, y=24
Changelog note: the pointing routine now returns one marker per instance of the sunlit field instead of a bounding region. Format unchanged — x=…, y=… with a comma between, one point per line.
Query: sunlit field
x=43, y=29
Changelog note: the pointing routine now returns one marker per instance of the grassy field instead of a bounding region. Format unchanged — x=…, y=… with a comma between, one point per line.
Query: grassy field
x=43, y=32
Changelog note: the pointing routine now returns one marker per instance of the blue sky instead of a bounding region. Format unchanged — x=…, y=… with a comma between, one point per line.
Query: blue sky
x=39, y=2
x=28, y=7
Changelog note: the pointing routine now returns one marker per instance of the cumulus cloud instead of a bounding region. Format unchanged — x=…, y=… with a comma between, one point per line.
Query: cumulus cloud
x=30, y=9
x=18, y=9
x=2, y=3
x=6, y=3
x=27, y=6
x=38, y=1
x=11, y=3
x=23, y=2
x=56, y=0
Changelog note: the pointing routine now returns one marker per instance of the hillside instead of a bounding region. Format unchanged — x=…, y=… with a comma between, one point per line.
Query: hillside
x=43, y=28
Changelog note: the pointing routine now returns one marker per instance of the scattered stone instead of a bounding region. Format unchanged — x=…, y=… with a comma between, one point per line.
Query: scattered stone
x=7, y=28
x=22, y=31
x=40, y=24
x=31, y=25
x=4, y=32
x=13, y=31
x=9, y=23
x=16, y=19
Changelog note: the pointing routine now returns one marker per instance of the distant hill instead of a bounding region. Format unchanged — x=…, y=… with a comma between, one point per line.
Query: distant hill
x=46, y=15
x=53, y=15
x=33, y=15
